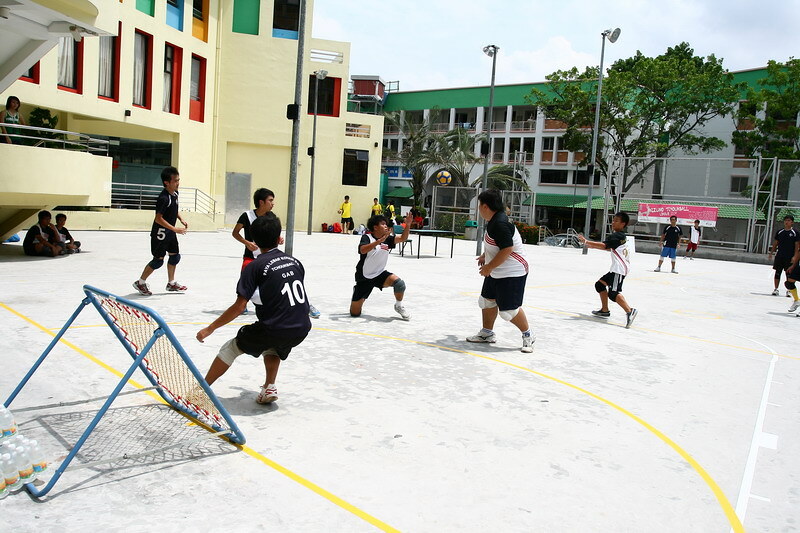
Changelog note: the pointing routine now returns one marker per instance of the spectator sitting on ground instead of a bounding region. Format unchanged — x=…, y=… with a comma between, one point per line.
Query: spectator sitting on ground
x=41, y=238
x=64, y=237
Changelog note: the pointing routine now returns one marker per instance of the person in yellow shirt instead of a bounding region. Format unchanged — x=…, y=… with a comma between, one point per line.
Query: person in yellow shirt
x=377, y=209
x=347, y=218
x=389, y=213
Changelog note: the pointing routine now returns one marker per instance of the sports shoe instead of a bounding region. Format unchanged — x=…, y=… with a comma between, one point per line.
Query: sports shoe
x=143, y=289
x=527, y=343
x=674, y=271
x=657, y=269
x=788, y=294
x=398, y=306
x=482, y=337
x=794, y=306
x=268, y=394
x=631, y=318
x=176, y=287
x=313, y=312
x=776, y=292
x=601, y=314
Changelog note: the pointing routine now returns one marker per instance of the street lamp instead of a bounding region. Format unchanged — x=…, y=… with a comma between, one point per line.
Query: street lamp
x=491, y=51
x=318, y=75
x=612, y=36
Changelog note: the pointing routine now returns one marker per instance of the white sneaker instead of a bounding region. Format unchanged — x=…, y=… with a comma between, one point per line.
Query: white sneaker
x=794, y=306
x=482, y=337
x=527, y=343
x=776, y=292
x=674, y=271
x=398, y=306
x=657, y=269
x=788, y=294
x=268, y=394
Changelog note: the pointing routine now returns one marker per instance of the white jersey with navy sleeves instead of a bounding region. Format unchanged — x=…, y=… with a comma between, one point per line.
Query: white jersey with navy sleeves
x=500, y=234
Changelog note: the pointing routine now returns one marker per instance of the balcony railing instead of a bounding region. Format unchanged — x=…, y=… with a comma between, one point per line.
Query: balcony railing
x=326, y=56
x=59, y=139
x=523, y=125
x=139, y=196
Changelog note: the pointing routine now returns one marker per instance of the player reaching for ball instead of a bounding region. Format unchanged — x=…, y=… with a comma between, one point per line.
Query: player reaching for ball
x=374, y=251
x=504, y=270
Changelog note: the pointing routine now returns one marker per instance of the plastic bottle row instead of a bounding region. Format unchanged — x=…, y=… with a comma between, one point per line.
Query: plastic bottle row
x=21, y=459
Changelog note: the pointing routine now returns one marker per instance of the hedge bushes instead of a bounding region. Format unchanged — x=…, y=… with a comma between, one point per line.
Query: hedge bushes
x=529, y=234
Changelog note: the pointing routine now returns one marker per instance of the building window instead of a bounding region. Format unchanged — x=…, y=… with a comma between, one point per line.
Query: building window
x=245, y=16
x=197, y=91
x=32, y=74
x=581, y=177
x=70, y=64
x=329, y=91
x=555, y=177
x=173, y=56
x=146, y=6
x=739, y=183
x=108, y=70
x=175, y=14
x=354, y=168
x=142, y=69
x=286, y=19
x=200, y=19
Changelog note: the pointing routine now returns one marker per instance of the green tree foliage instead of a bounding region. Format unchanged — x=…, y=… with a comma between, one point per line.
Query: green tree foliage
x=651, y=107
x=767, y=122
x=504, y=178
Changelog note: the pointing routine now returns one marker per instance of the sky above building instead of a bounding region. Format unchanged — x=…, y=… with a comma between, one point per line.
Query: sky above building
x=438, y=43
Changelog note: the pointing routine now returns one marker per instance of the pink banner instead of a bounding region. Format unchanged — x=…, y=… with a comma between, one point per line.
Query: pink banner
x=686, y=214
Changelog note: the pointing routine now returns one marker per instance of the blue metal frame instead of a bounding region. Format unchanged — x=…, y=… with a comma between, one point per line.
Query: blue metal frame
x=236, y=436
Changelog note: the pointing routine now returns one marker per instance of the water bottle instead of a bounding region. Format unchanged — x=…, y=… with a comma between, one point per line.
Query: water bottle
x=8, y=427
x=10, y=473
x=24, y=465
x=3, y=486
x=37, y=457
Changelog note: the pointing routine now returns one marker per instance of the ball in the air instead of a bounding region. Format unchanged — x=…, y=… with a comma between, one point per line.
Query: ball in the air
x=443, y=177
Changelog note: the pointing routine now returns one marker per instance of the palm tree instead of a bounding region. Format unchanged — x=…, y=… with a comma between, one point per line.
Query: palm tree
x=455, y=152
x=416, y=156
x=503, y=178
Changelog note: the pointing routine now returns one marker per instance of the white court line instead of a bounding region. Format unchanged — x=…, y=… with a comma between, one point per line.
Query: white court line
x=758, y=439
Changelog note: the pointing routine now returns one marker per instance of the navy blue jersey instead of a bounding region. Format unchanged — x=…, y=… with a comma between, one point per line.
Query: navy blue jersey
x=167, y=205
x=786, y=239
x=671, y=236
x=274, y=283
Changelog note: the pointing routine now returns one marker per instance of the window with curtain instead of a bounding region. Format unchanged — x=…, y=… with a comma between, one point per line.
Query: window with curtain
x=106, y=82
x=67, y=63
x=141, y=58
x=169, y=65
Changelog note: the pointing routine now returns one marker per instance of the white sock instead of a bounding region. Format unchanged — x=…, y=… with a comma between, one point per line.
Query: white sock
x=141, y=281
x=486, y=331
x=526, y=333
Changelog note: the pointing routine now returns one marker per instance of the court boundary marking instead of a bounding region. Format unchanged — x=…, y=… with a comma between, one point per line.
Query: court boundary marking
x=246, y=449
x=723, y=501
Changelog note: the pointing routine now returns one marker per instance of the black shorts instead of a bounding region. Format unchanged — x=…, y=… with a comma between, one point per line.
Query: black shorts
x=507, y=292
x=781, y=263
x=793, y=273
x=254, y=339
x=161, y=247
x=363, y=287
x=347, y=220
x=614, y=281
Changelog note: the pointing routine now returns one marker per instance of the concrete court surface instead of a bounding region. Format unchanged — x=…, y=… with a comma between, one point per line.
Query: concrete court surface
x=686, y=422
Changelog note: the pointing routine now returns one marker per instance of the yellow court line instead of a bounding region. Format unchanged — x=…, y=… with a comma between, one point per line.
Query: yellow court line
x=730, y=512
x=246, y=449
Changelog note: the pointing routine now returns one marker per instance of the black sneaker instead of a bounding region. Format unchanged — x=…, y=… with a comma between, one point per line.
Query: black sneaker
x=631, y=318
x=602, y=314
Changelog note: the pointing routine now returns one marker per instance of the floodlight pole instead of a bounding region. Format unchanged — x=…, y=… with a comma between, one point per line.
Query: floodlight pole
x=318, y=75
x=491, y=51
x=298, y=96
x=595, y=132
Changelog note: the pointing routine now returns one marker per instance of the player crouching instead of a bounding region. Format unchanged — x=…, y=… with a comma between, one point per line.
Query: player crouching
x=274, y=283
x=374, y=251
x=609, y=287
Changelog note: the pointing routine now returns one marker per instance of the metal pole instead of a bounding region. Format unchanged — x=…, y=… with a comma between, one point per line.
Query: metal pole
x=485, y=181
x=298, y=95
x=594, y=143
x=313, y=154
